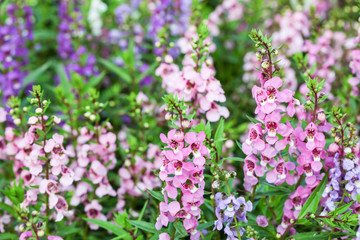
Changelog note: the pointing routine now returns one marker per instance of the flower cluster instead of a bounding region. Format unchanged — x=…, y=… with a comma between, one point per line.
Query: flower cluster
x=227, y=209
x=76, y=57
x=14, y=34
x=178, y=172
x=196, y=83
x=95, y=156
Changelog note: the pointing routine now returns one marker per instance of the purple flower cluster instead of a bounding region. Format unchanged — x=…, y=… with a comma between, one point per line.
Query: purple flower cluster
x=77, y=59
x=14, y=34
x=172, y=14
x=127, y=19
x=175, y=14
x=227, y=209
x=344, y=178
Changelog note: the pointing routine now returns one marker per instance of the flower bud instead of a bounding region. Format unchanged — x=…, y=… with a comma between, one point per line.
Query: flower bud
x=25, y=109
x=28, y=224
x=22, y=227
x=278, y=235
x=158, y=59
x=168, y=116
x=157, y=44
x=87, y=114
x=168, y=59
x=321, y=116
x=333, y=147
x=347, y=150
x=33, y=120
x=34, y=213
x=34, y=101
x=44, y=102
x=265, y=64
x=57, y=120
x=185, y=123
x=127, y=163
x=216, y=184
x=17, y=121
x=38, y=111
x=92, y=117
x=40, y=233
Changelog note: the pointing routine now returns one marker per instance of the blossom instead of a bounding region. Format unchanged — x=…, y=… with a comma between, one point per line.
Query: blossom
x=262, y=221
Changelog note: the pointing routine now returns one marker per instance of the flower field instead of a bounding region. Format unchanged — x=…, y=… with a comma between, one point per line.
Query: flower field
x=179, y=119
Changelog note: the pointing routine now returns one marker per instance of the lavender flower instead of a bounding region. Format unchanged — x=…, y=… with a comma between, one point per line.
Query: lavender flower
x=15, y=33
x=228, y=207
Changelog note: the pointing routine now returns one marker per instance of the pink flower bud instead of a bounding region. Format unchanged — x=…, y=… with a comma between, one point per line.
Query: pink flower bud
x=333, y=147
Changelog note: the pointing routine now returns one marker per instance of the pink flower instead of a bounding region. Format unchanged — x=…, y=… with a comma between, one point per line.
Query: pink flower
x=55, y=238
x=54, y=145
x=174, y=139
x=164, y=236
x=93, y=210
x=61, y=208
x=196, y=146
x=312, y=136
x=254, y=142
x=309, y=168
x=26, y=235
x=67, y=177
x=192, y=202
x=51, y=188
x=280, y=173
x=272, y=125
x=262, y=221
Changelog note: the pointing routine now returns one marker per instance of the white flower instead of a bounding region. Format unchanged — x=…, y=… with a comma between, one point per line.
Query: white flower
x=97, y=7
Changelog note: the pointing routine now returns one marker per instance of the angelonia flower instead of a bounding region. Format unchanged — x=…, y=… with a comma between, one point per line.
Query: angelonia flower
x=41, y=165
x=15, y=33
x=326, y=52
x=97, y=7
x=76, y=58
x=174, y=14
x=271, y=139
x=195, y=84
x=179, y=172
x=95, y=157
x=127, y=22
x=228, y=208
x=344, y=175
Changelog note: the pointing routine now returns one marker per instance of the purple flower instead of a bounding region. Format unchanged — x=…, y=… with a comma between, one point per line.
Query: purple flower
x=348, y=164
x=262, y=221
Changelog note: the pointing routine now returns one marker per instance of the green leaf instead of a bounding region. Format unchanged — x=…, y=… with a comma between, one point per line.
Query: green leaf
x=120, y=72
x=316, y=235
x=203, y=226
x=253, y=119
x=148, y=227
x=8, y=236
x=157, y=194
x=180, y=229
x=219, y=135
x=108, y=226
x=9, y=209
x=313, y=201
x=64, y=80
x=142, y=214
x=34, y=75
x=342, y=209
